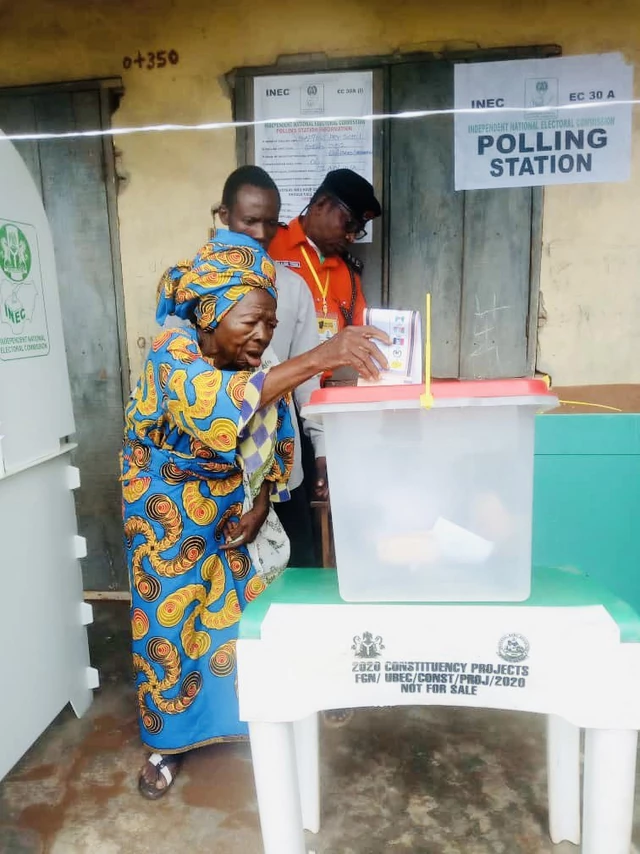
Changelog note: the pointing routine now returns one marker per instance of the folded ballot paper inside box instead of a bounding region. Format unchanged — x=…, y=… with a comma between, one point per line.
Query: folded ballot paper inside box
x=404, y=353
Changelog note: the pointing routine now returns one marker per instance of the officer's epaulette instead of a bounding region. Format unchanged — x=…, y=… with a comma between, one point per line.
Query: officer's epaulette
x=355, y=263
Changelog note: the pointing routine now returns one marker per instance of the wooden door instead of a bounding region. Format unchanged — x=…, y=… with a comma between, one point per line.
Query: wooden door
x=471, y=250
x=75, y=179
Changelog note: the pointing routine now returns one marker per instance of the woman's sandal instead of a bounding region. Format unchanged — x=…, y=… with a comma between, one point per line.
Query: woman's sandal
x=167, y=768
x=338, y=717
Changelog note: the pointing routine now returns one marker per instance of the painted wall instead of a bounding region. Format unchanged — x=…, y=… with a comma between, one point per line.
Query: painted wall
x=591, y=254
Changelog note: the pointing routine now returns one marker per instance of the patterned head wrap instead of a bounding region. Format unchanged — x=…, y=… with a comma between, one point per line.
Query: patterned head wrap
x=222, y=273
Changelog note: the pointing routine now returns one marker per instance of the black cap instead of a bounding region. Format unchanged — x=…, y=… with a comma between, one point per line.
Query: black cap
x=354, y=191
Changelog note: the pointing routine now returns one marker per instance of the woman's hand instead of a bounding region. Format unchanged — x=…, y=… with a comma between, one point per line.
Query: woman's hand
x=246, y=529
x=354, y=347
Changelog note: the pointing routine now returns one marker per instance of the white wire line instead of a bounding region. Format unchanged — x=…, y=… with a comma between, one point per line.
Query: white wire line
x=374, y=117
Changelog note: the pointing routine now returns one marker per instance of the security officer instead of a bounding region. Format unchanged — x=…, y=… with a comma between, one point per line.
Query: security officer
x=316, y=246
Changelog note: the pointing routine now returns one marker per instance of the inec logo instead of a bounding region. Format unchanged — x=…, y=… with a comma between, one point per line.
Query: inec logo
x=15, y=253
x=18, y=291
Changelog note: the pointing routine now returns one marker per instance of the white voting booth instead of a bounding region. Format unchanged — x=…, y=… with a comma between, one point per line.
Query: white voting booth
x=45, y=663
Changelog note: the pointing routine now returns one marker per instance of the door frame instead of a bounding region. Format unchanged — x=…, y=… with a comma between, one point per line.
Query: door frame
x=240, y=82
x=110, y=91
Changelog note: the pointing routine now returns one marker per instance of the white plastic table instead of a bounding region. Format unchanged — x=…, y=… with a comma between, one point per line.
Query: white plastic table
x=571, y=652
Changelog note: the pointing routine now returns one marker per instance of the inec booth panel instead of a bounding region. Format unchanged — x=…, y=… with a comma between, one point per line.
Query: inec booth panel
x=42, y=628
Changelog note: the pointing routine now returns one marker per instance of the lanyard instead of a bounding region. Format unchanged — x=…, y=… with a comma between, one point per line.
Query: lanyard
x=323, y=291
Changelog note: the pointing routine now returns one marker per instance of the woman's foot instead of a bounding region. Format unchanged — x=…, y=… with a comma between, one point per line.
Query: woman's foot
x=158, y=774
x=338, y=717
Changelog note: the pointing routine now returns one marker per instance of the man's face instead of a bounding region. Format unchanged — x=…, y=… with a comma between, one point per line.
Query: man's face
x=255, y=212
x=331, y=226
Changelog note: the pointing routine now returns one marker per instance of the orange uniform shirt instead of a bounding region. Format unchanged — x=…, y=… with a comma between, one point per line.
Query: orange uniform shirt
x=336, y=287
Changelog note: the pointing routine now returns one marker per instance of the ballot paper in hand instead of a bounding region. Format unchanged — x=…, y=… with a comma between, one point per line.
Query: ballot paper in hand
x=404, y=354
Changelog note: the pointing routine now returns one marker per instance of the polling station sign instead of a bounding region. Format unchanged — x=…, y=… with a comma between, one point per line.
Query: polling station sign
x=528, y=123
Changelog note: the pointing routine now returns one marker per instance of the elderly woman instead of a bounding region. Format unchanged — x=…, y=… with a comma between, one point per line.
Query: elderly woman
x=208, y=445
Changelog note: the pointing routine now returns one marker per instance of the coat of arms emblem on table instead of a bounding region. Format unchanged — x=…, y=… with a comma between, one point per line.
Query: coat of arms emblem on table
x=513, y=648
x=367, y=646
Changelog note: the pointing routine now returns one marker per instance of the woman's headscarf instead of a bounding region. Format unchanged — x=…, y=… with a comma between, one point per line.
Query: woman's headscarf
x=222, y=273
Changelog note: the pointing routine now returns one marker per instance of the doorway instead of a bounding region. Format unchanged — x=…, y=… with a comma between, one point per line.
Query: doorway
x=77, y=183
x=477, y=252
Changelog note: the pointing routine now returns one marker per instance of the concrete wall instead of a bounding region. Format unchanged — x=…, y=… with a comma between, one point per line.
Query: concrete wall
x=591, y=237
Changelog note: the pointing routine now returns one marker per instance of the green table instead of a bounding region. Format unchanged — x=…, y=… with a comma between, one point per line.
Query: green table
x=587, y=498
x=551, y=587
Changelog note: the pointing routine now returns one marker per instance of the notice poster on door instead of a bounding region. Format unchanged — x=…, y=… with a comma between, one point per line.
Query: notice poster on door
x=529, y=123
x=299, y=154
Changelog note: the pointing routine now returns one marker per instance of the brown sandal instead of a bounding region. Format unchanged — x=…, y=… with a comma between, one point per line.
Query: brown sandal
x=167, y=768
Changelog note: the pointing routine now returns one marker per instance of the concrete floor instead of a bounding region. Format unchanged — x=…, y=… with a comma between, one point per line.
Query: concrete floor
x=443, y=781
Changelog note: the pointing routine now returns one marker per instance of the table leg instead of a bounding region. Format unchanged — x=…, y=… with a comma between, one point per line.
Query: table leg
x=307, y=755
x=563, y=780
x=276, y=776
x=609, y=788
